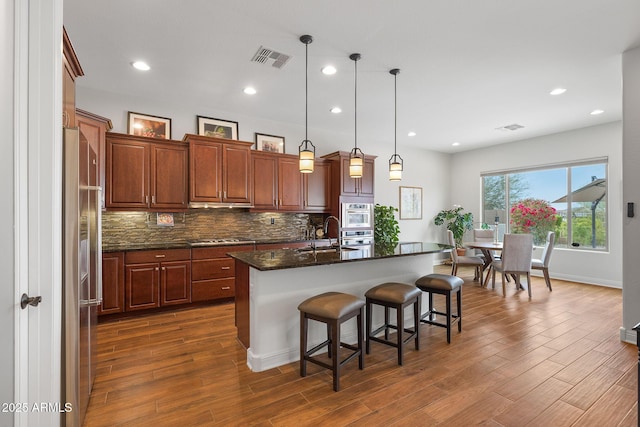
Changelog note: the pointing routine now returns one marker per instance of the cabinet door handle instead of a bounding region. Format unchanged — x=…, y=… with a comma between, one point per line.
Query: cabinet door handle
x=224, y=194
x=157, y=268
x=164, y=268
x=226, y=268
x=153, y=200
x=146, y=199
x=160, y=256
x=226, y=288
x=275, y=202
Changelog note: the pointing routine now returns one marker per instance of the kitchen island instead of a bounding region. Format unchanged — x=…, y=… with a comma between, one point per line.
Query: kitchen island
x=271, y=284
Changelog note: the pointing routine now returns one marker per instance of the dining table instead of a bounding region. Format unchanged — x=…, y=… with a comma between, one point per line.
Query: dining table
x=487, y=249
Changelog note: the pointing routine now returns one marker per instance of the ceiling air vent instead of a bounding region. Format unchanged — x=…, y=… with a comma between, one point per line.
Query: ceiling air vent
x=267, y=56
x=514, y=126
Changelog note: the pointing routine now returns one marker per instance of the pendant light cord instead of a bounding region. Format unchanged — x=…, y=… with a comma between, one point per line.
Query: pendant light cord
x=355, y=104
x=395, y=113
x=306, y=90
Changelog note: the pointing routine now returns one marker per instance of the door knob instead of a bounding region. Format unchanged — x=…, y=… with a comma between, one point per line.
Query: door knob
x=27, y=300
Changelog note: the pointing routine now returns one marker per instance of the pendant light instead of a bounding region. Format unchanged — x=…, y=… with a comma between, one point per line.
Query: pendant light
x=306, y=150
x=395, y=162
x=356, y=157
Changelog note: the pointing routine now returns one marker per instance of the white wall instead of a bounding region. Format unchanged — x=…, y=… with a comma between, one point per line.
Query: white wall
x=603, y=268
x=422, y=168
x=631, y=192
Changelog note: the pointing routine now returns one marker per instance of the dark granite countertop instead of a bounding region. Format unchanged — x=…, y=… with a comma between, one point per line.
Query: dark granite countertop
x=182, y=245
x=294, y=258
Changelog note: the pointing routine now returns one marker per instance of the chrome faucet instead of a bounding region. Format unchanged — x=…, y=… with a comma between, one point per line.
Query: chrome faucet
x=326, y=230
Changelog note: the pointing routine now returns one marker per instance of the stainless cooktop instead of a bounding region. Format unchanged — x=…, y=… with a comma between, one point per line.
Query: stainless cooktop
x=220, y=242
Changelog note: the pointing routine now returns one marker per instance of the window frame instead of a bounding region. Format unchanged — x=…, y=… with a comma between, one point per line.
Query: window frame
x=551, y=166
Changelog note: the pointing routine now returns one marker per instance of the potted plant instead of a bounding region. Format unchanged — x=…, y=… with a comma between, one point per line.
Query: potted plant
x=458, y=222
x=385, y=227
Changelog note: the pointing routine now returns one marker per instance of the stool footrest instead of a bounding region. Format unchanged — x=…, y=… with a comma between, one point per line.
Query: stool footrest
x=308, y=356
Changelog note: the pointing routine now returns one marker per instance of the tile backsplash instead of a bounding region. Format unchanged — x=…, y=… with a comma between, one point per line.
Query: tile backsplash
x=120, y=228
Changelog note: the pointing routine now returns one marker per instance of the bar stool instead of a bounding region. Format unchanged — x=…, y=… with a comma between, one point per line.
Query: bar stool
x=332, y=308
x=447, y=285
x=398, y=296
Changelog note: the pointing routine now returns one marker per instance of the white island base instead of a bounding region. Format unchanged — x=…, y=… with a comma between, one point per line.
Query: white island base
x=274, y=296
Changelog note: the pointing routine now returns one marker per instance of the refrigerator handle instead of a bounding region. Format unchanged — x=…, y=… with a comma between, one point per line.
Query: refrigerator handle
x=98, y=299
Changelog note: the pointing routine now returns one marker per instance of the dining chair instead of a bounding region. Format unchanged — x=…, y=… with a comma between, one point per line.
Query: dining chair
x=483, y=235
x=457, y=260
x=543, y=262
x=517, y=252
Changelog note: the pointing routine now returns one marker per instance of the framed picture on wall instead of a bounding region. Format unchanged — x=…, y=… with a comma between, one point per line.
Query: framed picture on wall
x=218, y=128
x=410, y=202
x=271, y=143
x=148, y=125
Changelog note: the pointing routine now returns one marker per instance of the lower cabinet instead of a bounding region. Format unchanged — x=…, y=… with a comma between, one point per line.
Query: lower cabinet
x=213, y=272
x=157, y=278
x=112, y=283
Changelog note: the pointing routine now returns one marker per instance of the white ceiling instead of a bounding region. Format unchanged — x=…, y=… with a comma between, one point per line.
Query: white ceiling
x=467, y=66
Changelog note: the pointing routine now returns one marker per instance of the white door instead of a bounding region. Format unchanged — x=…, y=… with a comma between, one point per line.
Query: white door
x=37, y=199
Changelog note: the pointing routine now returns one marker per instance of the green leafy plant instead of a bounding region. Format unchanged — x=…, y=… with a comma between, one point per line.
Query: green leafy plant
x=456, y=221
x=385, y=226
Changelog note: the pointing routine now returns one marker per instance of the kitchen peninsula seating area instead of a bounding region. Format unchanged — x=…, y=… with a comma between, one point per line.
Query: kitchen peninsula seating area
x=335, y=308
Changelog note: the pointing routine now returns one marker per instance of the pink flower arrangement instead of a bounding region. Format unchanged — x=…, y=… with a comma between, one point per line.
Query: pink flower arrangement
x=533, y=216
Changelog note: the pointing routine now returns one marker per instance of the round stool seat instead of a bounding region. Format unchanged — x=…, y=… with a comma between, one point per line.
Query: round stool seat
x=439, y=281
x=331, y=305
x=397, y=293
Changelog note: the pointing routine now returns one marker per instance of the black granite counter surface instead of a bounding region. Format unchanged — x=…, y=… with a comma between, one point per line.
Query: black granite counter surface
x=143, y=246
x=294, y=258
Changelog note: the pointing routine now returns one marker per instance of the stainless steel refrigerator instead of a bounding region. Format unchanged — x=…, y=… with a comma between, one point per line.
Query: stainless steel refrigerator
x=82, y=273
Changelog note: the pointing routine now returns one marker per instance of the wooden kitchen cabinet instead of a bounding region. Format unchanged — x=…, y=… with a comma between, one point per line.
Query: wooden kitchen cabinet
x=71, y=69
x=94, y=128
x=277, y=182
x=112, y=283
x=145, y=174
x=213, y=272
x=157, y=278
x=220, y=170
x=316, y=188
x=289, y=184
x=344, y=185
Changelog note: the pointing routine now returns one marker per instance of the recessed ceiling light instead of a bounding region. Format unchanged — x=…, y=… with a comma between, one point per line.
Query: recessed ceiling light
x=329, y=70
x=455, y=144
x=140, y=65
x=412, y=133
x=249, y=90
x=596, y=112
x=336, y=110
x=558, y=91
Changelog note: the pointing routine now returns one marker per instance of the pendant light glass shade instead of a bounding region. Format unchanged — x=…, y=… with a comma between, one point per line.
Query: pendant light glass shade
x=395, y=168
x=356, y=157
x=307, y=154
x=396, y=163
x=306, y=150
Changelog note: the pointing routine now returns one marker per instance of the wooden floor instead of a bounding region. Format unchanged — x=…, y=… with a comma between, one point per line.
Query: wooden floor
x=556, y=360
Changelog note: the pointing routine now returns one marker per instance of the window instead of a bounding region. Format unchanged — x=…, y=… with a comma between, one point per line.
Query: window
x=569, y=199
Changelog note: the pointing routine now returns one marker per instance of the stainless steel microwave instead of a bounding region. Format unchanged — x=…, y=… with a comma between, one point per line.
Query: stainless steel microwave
x=357, y=215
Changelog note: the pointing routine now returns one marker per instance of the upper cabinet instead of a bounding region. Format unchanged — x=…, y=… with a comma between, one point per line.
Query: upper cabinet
x=70, y=70
x=146, y=173
x=220, y=170
x=316, y=188
x=346, y=187
x=277, y=182
x=94, y=128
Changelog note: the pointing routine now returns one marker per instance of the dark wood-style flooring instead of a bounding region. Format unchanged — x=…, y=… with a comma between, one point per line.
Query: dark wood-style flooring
x=556, y=360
